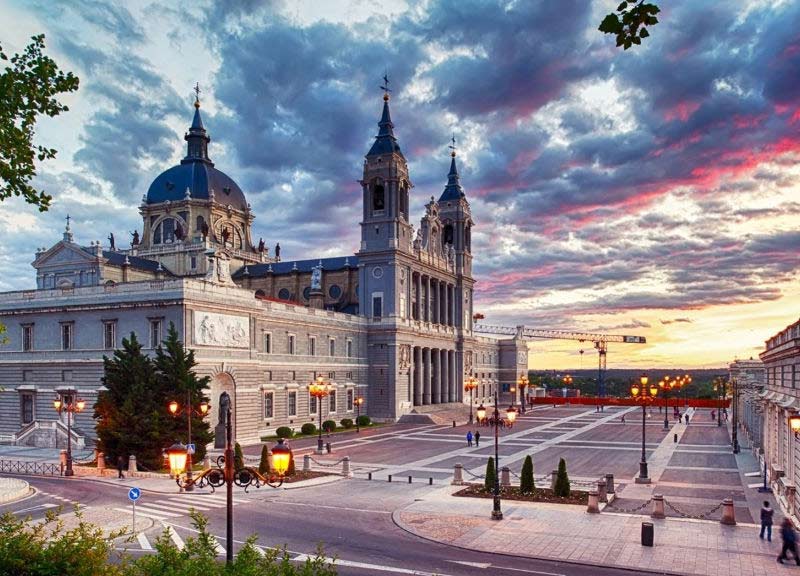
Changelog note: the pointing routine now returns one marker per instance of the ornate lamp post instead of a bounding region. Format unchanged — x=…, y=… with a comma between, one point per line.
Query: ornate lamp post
x=66, y=402
x=319, y=390
x=719, y=388
x=639, y=391
x=175, y=409
x=225, y=473
x=522, y=383
x=470, y=385
x=735, y=426
x=359, y=401
x=511, y=415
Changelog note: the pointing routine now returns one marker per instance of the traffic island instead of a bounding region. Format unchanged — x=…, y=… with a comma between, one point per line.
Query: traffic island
x=513, y=493
x=12, y=489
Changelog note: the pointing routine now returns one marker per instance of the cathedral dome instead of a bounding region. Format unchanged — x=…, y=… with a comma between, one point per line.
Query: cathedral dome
x=195, y=177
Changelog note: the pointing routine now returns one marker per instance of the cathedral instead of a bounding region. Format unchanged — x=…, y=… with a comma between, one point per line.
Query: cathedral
x=391, y=325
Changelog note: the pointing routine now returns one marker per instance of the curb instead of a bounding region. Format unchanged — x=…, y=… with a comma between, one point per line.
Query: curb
x=15, y=490
x=636, y=570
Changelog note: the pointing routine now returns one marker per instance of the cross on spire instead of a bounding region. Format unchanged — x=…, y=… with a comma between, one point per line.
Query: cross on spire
x=197, y=95
x=453, y=145
x=385, y=86
x=68, y=219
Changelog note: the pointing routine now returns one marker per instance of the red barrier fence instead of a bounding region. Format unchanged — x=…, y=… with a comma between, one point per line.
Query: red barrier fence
x=589, y=401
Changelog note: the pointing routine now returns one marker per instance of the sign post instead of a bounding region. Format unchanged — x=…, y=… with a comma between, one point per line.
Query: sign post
x=133, y=496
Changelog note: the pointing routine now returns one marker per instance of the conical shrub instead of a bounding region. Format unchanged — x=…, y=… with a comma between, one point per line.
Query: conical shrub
x=562, y=480
x=526, y=478
x=489, y=480
x=263, y=466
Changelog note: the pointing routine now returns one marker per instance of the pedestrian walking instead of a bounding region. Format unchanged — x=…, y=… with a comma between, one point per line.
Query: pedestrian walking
x=469, y=438
x=622, y=419
x=477, y=438
x=120, y=466
x=766, y=521
x=789, y=542
x=713, y=413
x=686, y=417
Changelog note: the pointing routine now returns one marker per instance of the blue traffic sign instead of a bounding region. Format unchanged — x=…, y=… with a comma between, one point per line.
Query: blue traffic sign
x=190, y=448
x=134, y=493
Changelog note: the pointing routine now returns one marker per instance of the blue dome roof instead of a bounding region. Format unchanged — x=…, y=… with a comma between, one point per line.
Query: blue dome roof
x=197, y=173
x=200, y=178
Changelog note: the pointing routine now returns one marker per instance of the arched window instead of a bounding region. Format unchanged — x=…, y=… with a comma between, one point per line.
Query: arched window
x=378, y=198
x=260, y=294
x=284, y=294
x=165, y=231
x=199, y=224
x=448, y=234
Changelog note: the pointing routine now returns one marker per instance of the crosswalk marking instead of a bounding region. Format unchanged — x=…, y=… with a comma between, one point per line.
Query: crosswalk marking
x=155, y=514
x=143, y=542
x=176, y=539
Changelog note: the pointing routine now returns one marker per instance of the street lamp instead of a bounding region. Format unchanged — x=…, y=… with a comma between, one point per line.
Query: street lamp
x=719, y=388
x=735, y=426
x=471, y=384
x=319, y=390
x=794, y=423
x=643, y=393
x=522, y=383
x=511, y=415
x=226, y=473
x=66, y=402
x=359, y=402
x=175, y=409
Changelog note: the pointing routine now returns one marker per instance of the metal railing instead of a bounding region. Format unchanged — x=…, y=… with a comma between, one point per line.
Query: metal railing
x=31, y=468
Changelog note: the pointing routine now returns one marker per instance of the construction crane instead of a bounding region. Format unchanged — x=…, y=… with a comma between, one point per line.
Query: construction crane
x=600, y=342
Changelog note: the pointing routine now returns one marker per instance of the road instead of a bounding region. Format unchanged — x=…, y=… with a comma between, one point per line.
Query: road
x=351, y=518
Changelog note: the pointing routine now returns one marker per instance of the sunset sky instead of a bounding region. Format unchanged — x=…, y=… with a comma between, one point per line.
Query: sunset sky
x=652, y=192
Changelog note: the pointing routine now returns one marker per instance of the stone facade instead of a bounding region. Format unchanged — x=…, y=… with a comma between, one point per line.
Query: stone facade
x=391, y=324
x=749, y=378
x=780, y=399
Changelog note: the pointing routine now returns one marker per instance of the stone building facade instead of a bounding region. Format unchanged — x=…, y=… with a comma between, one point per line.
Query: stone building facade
x=780, y=399
x=749, y=378
x=391, y=324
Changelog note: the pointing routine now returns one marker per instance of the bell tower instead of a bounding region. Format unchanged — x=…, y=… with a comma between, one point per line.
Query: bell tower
x=385, y=224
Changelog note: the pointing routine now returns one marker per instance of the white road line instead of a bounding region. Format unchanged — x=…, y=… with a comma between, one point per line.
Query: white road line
x=160, y=515
x=529, y=571
x=177, y=540
x=310, y=505
x=143, y=542
x=161, y=505
x=45, y=506
x=372, y=567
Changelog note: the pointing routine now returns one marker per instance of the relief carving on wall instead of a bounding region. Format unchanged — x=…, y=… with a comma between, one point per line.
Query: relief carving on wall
x=212, y=329
x=467, y=362
x=405, y=356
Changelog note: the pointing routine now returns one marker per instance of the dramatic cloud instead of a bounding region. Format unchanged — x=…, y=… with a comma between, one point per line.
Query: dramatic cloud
x=611, y=191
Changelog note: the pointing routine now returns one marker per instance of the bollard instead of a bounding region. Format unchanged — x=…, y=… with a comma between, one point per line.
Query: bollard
x=675, y=438
x=369, y=475
x=609, y=483
x=658, y=507
x=101, y=462
x=307, y=463
x=647, y=534
x=62, y=458
x=207, y=461
x=390, y=477
x=505, y=476
x=132, y=464
x=602, y=495
x=454, y=423
x=409, y=479
x=430, y=481
x=728, y=517
x=553, y=477
x=328, y=447
x=458, y=475
x=346, y=467
x=593, y=507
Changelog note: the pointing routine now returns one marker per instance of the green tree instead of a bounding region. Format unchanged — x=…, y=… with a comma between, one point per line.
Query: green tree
x=238, y=456
x=263, y=466
x=526, y=485
x=489, y=477
x=177, y=380
x=29, y=85
x=562, y=480
x=131, y=412
x=630, y=21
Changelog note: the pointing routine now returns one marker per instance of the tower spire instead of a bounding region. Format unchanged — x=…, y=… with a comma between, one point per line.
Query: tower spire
x=197, y=138
x=385, y=141
x=453, y=190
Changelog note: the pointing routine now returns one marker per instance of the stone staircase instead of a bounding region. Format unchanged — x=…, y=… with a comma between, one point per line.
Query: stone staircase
x=438, y=414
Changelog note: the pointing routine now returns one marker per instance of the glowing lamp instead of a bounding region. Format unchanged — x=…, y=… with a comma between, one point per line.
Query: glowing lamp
x=661, y=384
x=281, y=455
x=57, y=404
x=173, y=407
x=177, y=459
x=511, y=414
x=643, y=379
x=794, y=422
x=360, y=400
x=204, y=408
x=481, y=412
x=80, y=405
x=653, y=390
x=635, y=390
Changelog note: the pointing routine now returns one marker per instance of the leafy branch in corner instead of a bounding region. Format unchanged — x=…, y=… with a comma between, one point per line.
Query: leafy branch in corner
x=630, y=22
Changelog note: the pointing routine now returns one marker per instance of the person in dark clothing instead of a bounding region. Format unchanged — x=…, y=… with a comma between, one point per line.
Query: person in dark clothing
x=766, y=521
x=469, y=438
x=789, y=542
x=477, y=438
x=686, y=416
x=120, y=466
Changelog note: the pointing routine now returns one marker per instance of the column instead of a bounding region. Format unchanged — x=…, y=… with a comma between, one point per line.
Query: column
x=452, y=305
x=434, y=301
x=426, y=379
x=428, y=299
x=454, y=394
x=446, y=392
x=436, y=382
x=417, y=375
